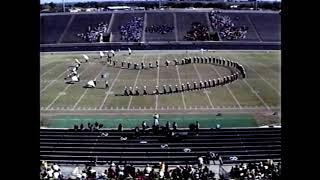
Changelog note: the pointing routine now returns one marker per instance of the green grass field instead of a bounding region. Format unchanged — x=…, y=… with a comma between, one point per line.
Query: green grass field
x=260, y=90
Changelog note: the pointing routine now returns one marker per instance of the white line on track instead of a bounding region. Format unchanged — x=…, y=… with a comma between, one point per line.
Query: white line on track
x=76, y=104
x=135, y=83
x=107, y=95
x=277, y=91
x=227, y=86
x=254, y=92
x=53, y=81
x=58, y=96
x=199, y=76
x=182, y=95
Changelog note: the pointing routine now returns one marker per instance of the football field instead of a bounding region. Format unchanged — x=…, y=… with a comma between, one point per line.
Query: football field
x=260, y=91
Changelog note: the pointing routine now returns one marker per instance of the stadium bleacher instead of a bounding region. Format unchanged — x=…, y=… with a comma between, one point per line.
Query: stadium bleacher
x=261, y=26
x=80, y=24
x=248, y=145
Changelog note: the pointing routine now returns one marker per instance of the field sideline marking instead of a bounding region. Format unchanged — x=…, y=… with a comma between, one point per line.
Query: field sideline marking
x=263, y=79
x=182, y=95
x=199, y=76
x=158, y=74
x=53, y=81
x=58, y=96
x=135, y=83
x=227, y=86
x=254, y=92
x=75, y=105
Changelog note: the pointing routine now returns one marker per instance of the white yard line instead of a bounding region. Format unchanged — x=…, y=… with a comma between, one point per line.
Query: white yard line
x=76, y=104
x=158, y=75
x=263, y=79
x=176, y=26
x=182, y=95
x=227, y=86
x=135, y=83
x=254, y=92
x=107, y=95
x=199, y=76
x=144, y=28
x=58, y=96
x=53, y=81
x=49, y=70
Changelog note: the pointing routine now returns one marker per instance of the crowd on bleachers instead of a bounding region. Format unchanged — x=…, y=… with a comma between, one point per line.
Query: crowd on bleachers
x=226, y=28
x=263, y=170
x=132, y=30
x=128, y=171
x=198, y=32
x=50, y=172
x=94, y=34
x=161, y=29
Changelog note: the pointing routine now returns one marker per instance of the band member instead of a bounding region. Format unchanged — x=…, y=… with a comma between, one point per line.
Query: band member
x=213, y=83
x=137, y=91
x=177, y=89
x=129, y=50
x=214, y=60
x=182, y=62
x=188, y=86
x=150, y=65
x=195, y=85
x=182, y=87
x=175, y=62
x=135, y=66
x=164, y=89
x=205, y=83
x=157, y=90
x=107, y=84
x=114, y=63
x=194, y=59
x=198, y=59
x=167, y=63
x=130, y=91
x=126, y=91
x=122, y=64
x=128, y=64
x=142, y=65
x=157, y=63
x=210, y=60
x=206, y=60
x=170, y=89
x=202, y=59
x=145, y=90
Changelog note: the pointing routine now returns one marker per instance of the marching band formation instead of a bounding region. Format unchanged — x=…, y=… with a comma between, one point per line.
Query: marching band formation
x=237, y=71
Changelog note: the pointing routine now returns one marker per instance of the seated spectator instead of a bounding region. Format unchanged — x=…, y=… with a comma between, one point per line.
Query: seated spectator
x=198, y=32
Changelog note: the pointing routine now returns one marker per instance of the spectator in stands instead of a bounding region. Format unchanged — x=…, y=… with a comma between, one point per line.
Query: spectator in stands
x=226, y=28
x=94, y=34
x=137, y=132
x=198, y=32
x=132, y=30
x=81, y=126
x=144, y=126
x=161, y=29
